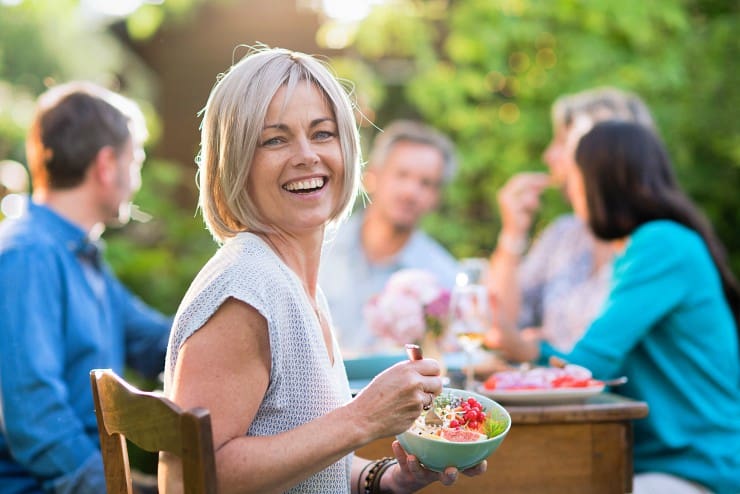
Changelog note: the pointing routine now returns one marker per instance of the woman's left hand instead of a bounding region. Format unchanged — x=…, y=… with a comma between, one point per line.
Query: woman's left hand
x=410, y=476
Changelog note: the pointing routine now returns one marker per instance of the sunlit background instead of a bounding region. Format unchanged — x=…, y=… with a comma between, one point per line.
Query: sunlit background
x=115, y=8
x=14, y=188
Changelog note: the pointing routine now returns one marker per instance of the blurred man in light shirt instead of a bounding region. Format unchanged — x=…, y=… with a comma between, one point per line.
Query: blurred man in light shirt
x=408, y=166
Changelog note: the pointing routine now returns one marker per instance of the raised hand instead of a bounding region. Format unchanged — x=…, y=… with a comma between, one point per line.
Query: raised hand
x=519, y=200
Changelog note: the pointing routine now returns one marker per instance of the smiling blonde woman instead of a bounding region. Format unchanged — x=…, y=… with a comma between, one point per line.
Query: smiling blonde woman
x=253, y=340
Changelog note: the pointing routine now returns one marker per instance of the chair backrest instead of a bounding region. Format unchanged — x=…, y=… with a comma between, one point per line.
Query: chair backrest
x=153, y=423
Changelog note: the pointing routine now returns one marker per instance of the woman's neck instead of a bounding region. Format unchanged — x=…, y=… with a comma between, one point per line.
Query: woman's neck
x=300, y=253
x=620, y=244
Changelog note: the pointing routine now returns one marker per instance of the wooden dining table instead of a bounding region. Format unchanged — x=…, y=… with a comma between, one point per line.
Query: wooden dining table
x=572, y=448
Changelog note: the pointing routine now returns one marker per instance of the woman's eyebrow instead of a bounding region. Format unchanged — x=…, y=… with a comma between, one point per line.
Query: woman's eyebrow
x=317, y=121
x=284, y=127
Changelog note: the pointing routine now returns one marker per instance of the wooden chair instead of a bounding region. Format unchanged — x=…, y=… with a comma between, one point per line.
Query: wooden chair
x=153, y=423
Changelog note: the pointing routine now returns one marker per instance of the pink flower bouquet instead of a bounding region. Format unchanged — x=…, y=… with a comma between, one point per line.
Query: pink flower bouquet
x=411, y=304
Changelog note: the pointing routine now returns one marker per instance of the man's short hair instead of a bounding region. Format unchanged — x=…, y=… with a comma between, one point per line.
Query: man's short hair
x=412, y=131
x=71, y=124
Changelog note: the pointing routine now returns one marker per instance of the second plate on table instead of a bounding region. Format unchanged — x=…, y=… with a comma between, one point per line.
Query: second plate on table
x=541, y=396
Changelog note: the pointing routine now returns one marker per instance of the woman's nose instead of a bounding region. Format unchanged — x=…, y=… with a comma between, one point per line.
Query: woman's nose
x=305, y=153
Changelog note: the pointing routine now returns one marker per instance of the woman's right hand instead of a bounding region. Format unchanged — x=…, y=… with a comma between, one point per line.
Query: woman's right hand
x=396, y=397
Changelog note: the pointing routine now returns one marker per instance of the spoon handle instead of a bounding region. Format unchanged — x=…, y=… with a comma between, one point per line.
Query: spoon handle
x=615, y=382
x=413, y=351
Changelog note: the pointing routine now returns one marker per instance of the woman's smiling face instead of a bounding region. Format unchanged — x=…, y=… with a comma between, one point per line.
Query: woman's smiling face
x=297, y=173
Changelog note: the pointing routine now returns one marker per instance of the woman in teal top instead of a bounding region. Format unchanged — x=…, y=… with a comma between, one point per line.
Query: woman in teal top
x=670, y=322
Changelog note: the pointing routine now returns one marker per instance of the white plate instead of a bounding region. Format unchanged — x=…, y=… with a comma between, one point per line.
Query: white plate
x=540, y=396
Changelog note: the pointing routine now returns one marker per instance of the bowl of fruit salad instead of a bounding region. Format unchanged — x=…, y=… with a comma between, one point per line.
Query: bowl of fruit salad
x=461, y=429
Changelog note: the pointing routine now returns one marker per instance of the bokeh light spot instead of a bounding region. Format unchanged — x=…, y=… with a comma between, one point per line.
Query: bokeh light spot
x=13, y=205
x=13, y=176
x=508, y=113
x=519, y=61
x=546, y=58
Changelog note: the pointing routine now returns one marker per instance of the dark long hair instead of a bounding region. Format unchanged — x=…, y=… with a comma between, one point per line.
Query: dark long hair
x=630, y=181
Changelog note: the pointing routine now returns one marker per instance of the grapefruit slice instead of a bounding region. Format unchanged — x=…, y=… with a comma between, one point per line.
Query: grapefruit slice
x=461, y=436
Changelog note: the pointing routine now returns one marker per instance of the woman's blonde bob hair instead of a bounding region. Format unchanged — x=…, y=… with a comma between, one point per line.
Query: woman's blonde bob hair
x=232, y=123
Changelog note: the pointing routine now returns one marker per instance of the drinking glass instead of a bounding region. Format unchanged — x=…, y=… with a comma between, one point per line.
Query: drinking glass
x=471, y=271
x=470, y=318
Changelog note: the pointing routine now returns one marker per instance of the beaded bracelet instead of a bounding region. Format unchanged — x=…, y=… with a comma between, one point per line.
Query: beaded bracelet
x=362, y=472
x=379, y=475
x=370, y=480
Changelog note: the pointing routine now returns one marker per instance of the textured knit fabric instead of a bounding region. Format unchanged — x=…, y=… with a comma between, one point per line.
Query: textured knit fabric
x=667, y=327
x=62, y=314
x=303, y=383
x=561, y=293
x=349, y=279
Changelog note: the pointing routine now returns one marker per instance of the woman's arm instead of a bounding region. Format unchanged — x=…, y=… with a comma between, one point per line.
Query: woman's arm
x=650, y=283
x=518, y=200
x=225, y=367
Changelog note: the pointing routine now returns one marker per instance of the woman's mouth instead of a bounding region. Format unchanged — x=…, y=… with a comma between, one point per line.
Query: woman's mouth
x=305, y=186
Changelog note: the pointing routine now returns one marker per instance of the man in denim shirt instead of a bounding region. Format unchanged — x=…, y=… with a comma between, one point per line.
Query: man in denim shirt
x=62, y=310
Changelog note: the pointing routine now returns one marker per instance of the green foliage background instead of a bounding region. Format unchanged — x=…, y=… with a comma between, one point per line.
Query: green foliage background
x=42, y=43
x=483, y=71
x=486, y=72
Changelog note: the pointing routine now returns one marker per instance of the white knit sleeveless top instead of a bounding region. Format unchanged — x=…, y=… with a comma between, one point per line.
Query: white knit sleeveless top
x=303, y=384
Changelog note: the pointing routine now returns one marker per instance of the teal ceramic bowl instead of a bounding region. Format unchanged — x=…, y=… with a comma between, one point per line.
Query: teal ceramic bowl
x=437, y=454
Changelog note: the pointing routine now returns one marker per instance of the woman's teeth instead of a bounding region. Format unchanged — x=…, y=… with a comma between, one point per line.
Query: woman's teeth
x=305, y=185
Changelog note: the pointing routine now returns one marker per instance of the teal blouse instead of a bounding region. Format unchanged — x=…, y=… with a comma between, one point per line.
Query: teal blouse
x=666, y=325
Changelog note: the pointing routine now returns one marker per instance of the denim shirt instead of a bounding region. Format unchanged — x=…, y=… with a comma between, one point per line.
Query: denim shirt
x=62, y=313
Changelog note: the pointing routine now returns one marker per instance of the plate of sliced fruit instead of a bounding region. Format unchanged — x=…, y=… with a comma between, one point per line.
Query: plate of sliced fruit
x=541, y=385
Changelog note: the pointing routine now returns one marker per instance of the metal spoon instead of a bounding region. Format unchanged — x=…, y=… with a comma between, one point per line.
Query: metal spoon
x=617, y=381
x=413, y=351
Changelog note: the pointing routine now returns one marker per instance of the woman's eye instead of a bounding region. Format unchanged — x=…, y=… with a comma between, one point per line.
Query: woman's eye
x=323, y=135
x=273, y=141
